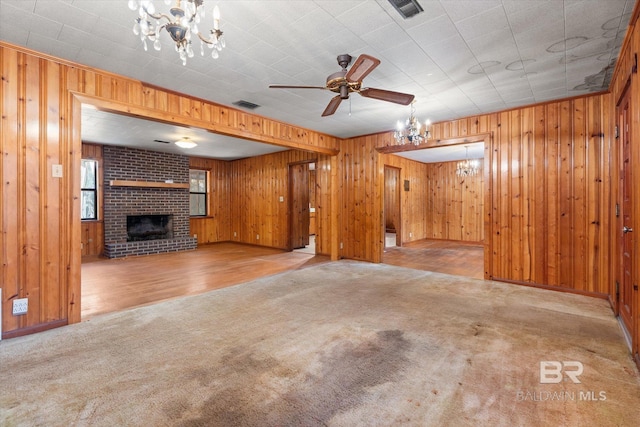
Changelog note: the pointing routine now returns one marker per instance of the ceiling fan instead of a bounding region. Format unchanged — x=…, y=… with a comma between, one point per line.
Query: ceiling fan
x=347, y=81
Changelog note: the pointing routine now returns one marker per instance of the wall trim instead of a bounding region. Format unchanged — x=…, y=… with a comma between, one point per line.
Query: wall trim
x=554, y=288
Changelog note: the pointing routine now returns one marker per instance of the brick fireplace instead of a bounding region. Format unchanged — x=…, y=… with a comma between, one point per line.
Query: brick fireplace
x=133, y=188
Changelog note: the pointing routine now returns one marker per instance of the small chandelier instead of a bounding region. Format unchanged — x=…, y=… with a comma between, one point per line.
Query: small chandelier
x=467, y=167
x=411, y=130
x=182, y=26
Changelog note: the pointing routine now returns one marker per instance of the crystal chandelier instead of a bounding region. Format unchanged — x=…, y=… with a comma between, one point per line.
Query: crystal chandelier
x=182, y=26
x=412, y=129
x=467, y=167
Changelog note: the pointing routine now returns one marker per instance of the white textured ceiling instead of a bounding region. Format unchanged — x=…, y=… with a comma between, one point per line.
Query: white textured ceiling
x=458, y=57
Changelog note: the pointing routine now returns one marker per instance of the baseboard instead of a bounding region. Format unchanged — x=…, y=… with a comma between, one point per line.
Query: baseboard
x=34, y=329
x=554, y=288
x=626, y=334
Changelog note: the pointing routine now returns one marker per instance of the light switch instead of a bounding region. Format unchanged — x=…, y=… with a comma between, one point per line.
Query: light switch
x=56, y=171
x=281, y=199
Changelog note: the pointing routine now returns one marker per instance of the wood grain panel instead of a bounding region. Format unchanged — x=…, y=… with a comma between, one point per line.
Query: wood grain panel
x=456, y=204
x=415, y=203
x=256, y=209
x=392, y=199
x=11, y=182
x=92, y=238
x=361, y=209
x=215, y=227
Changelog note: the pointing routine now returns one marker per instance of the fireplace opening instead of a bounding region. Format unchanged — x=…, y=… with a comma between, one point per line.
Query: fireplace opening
x=149, y=227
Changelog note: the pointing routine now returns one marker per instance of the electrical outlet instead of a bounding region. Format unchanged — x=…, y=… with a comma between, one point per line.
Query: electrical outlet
x=340, y=245
x=410, y=234
x=20, y=306
x=195, y=236
x=235, y=234
x=257, y=237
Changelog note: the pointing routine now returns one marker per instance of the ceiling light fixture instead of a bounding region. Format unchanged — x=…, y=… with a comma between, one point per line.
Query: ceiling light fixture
x=467, y=167
x=182, y=26
x=412, y=129
x=185, y=142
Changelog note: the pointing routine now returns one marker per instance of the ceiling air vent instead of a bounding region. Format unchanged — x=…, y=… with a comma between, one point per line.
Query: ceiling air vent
x=246, y=104
x=406, y=8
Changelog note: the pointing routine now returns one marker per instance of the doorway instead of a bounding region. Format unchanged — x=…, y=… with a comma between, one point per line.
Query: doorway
x=625, y=294
x=392, y=210
x=299, y=206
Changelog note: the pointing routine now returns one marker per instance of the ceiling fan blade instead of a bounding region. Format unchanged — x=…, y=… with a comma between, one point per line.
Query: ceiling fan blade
x=361, y=68
x=295, y=87
x=333, y=106
x=387, y=95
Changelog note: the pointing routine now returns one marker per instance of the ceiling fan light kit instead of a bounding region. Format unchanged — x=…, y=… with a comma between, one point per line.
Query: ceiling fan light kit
x=185, y=142
x=182, y=26
x=349, y=81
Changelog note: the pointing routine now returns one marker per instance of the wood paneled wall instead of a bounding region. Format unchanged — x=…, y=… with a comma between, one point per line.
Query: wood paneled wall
x=455, y=205
x=216, y=226
x=40, y=227
x=413, y=203
x=93, y=231
x=549, y=219
x=551, y=208
x=361, y=208
x=256, y=210
x=39, y=213
x=625, y=78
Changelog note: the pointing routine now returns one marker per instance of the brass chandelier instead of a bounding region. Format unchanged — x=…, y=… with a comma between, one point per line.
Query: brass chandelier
x=181, y=24
x=411, y=130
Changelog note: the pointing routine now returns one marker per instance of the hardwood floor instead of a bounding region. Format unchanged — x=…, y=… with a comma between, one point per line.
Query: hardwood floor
x=442, y=256
x=116, y=284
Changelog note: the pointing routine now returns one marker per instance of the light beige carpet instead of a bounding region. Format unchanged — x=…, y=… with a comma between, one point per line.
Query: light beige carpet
x=338, y=344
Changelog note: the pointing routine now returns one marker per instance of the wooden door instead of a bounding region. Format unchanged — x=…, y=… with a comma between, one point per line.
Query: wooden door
x=392, y=202
x=299, y=205
x=625, y=301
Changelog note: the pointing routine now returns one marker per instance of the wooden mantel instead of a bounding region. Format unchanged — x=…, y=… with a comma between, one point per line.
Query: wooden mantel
x=147, y=184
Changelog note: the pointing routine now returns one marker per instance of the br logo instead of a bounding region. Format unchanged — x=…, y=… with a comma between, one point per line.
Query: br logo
x=554, y=372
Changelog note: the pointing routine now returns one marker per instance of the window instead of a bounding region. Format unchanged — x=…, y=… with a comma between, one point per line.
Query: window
x=89, y=189
x=198, y=192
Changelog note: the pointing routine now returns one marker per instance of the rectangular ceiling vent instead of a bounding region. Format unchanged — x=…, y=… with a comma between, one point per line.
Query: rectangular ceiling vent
x=407, y=8
x=246, y=104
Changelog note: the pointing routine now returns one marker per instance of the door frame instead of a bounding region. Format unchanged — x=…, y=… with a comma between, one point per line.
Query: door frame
x=290, y=201
x=489, y=169
x=398, y=203
x=628, y=322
